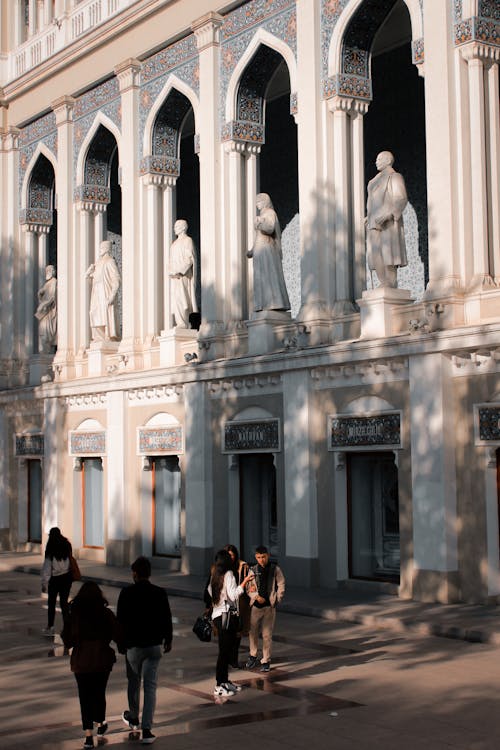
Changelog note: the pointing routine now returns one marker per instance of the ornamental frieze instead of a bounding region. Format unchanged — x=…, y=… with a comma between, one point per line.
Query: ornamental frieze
x=87, y=443
x=160, y=441
x=29, y=445
x=381, y=430
x=251, y=436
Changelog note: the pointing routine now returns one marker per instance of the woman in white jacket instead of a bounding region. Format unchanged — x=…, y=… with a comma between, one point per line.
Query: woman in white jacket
x=225, y=594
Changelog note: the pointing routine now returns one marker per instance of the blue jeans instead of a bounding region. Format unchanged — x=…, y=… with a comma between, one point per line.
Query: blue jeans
x=143, y=662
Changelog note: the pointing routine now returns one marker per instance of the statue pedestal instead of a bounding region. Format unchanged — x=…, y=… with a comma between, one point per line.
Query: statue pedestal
x=40, y=368
x=175, y=343
x=266, y=331
x=376, y=306
x=97, y=356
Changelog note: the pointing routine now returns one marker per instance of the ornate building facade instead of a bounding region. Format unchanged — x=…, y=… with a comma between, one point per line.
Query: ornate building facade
x=358, y=434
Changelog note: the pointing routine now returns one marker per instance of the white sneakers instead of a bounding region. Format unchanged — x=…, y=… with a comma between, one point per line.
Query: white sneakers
x=226, y=689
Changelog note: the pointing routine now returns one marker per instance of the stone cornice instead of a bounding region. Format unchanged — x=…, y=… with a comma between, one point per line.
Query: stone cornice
x=207, y=30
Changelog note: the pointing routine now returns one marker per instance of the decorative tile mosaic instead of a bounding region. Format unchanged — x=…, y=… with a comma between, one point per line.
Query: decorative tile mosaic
x=290, y=245
x=250, y=132
x=43, y=130
x=350, y=86
x=457, y=9
x=87, y=443
x=168, y=59
x=29, y=445
x=482, y=30
x=417, y=51
x=294, y=103
x=40, y=216
x=161, y=165
x=159, y=441
x=355, y=62
x=364, y=432
x=92, y=193
x=489, y=423
x=489, y=9
x=244, y=437
x=277, y=17
x=97, y=98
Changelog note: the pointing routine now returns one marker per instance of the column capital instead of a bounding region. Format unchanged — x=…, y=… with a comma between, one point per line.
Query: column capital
x=486, y=53
x=63, y=109
x=11, y=139
x=151, y=179
x=206, y=30
x=128, y=73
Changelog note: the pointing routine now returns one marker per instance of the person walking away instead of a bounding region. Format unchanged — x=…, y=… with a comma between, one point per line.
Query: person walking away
x=225, y=593
x=143, y=610
x=88, y=630
x=56, y=576
x=240, y=570
x=265, y=593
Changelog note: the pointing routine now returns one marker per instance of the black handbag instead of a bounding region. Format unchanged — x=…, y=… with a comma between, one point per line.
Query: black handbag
x=202, y=628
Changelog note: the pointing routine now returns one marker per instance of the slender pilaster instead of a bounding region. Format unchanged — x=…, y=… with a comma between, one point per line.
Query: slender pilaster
x=13, y=344
x=206, y=30
x=493, y=160
x=118, y=489
x=67, y=282
x=30, y=276
x=478, y=177
x=82, y=288
x=444, y=270
x=153, y=271
x=128, y=74
x=315, y=256
x=358, y=198
x=301, y=511
x=235, y=298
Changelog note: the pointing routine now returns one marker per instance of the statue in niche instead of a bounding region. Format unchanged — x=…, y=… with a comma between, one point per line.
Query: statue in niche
x=182, y=272
x=269, y=288
x=105, y=284
x=386, y=202
x=46, y=312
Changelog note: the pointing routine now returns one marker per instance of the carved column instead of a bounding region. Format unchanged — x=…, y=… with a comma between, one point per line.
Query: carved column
x=32, y=17
x=206, y=30
x=169, y=216
x=474, y=54
x=359, y=109
x=341, y=107
x=154, y=279
x=68, y=281
x=236, y=295
x=30, y=275
x=128, y=74
x=86, y=256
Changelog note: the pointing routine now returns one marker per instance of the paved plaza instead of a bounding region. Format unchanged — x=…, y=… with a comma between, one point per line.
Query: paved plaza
x=333, y=684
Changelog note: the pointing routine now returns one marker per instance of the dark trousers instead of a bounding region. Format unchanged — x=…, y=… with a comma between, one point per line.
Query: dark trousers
x=92, y=695
x=227, y=644
x=58, y=585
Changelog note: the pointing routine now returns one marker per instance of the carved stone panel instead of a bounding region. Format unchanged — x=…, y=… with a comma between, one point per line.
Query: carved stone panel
x=160, y=441
x=87, y=443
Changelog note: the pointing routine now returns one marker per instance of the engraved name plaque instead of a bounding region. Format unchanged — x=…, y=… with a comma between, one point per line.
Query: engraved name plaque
x=251, y=436
x=160, y=441
x=29, y=445
x=363, y=432
x=83, y=443
x=487, y=424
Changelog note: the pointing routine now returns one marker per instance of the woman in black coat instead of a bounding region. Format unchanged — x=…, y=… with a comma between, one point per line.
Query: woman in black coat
x=88, y=630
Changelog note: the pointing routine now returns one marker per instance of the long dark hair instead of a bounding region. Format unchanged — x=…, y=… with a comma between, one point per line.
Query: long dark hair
x=222, y=564
x=57, y=545
x=236, y=562
x=88, y=611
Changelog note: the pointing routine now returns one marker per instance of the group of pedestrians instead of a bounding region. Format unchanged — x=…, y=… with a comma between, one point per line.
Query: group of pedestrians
x=242, y=600
x=141, y=629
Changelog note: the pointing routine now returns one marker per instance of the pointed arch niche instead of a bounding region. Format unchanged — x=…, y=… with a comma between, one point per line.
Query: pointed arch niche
x=261, y=147
x=171, y=174
x=377, y=100
x=99, y=201
x=38, y=219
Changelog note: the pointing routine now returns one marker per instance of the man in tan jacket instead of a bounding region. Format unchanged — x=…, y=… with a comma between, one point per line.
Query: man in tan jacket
x=265, y=592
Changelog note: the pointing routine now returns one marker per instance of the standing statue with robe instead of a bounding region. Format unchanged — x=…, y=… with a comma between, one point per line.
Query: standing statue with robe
x=105, y=284
x=46, y=312
x=182, y=272
x=387, y=199
x=269, y=288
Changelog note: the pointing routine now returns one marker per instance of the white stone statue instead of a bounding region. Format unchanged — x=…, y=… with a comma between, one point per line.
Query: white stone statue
x=385, y=232
x=182, y=271
x=269, y=288
x=46, y=312
x=105, y=284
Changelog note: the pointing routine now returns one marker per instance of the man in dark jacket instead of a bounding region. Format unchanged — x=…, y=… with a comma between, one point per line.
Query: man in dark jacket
x=143, y=611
